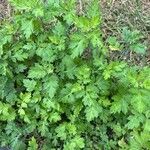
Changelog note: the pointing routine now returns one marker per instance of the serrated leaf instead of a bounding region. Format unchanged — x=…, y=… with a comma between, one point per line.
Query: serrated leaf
x=61, y=131
x=20, y=55
x=71, y=129
x=75, y=143
x=26, y=97
x=27, y=27
x=29, y=84
x=83, y=23
x=68, y=67
x=37, y=72
x=77, y=45
x=92, y=112
x=20, y=68
x=116, y=107
x=120, y=104
x=50, y=85
x=6, y=112
x=138, y=103
x=38, y=12
x=79, y=142
x=87, y=100
x=113, y=69
x=77, y=49
x=46, y=53
x=33, y=144
x=129, y=36
x=54, y=117
x=134, y=121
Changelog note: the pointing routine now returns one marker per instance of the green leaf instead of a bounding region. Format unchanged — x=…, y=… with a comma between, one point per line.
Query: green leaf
x=130, y=37
x=92, y=112
x=77, y=45
x=138, y=103
x=138, y=48
x=50, y=85
x=61, y=131
x=93, y=9
x=33, y=144
x=38, y=12
x=88, y=100
x=27, y=27
x=18, y=145
x=134, y=121
x=59, y=87
x=21, y=68
x=116, y=107
x=21, y=112
x=6, y=112
x=37, y=72
x=147, y=125
x=113, y=69
x=54, y=117
x=79, y=141
x=114, y=45
x=29, y=84
x=20, y=55
x=68, y=67
x=3, y=68
x=140, y=141
x=76, y=142
x=77, y=49
x=83, y=23
x=46, y=53
x=26, y=97
x=71, y=129
x=120, y=104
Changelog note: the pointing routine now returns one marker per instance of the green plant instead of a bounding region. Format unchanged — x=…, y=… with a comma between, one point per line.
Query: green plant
x=114, y=45
x=58, y=89
x=133, y=40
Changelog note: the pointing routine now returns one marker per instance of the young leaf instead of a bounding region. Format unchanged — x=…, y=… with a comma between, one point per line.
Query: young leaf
x=33, y=144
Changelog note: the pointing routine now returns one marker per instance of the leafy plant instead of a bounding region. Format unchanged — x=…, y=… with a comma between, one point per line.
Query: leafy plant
x=57, y=88
x=114, y=45
x=133, y=40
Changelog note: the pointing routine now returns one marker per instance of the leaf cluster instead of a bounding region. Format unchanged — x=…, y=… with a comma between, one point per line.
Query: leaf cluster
x=58, y=90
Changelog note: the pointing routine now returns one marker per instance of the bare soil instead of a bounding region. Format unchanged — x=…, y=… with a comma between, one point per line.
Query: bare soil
x=3, y=9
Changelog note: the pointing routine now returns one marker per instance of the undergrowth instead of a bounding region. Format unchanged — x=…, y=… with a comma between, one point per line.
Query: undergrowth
x=58, y=87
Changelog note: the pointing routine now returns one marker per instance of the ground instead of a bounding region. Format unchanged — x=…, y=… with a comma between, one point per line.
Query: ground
x=4, y=9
